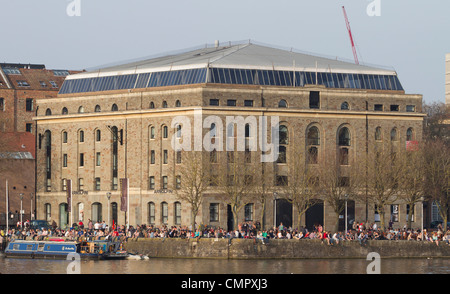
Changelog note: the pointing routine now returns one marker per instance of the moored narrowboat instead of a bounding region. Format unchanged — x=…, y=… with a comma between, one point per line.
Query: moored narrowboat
x=59, y=249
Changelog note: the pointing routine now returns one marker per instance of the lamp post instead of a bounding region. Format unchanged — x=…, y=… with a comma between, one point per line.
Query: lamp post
x=21, y=210
x=346, y=199
x=108, y=194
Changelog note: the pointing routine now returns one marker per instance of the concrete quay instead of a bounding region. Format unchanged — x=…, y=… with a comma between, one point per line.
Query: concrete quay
x=282, y=249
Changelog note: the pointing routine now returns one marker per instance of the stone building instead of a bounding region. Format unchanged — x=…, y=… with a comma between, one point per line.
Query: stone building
x=120, y=123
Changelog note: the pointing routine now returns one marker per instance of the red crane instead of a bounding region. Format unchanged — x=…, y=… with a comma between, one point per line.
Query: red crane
x=351, y=37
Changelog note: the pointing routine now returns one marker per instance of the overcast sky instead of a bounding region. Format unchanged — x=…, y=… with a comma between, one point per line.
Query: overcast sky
x=410, y=36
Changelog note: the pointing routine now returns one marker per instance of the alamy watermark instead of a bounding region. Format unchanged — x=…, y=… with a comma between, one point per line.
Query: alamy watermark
x=374, y=8
x=74, y=8
x=74, y=265
x=374, y=267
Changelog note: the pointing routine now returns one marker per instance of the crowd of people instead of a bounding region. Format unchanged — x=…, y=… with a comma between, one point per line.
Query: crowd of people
x=359, y=232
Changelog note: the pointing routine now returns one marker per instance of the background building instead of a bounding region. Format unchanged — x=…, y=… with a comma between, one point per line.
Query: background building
x=117, y=122
x=20, y=87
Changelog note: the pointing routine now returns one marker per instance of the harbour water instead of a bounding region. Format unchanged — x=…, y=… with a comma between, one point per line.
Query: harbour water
x=217, y=266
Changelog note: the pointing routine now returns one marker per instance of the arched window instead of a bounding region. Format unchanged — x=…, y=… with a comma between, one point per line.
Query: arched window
x=177, y=213
x=378, y=134
x=97, y=108
x=164, y=212
x=282, y=103
x=394, y=134
x=48, y=111
x=152, y=132
x=164, y=104
x=313, y=142
x=178, y=103
x=344, y=137
x=151, y=213
x=81, y=136
x=98, y=135
x=313, y=136
x=152, y=105
x=64, y=111
x=81, y=109
x=64, y=137
x=344, y=106
x=114, y=107
x=344, y=141
x=165, y=132
x=283, y=141
x=409, y=134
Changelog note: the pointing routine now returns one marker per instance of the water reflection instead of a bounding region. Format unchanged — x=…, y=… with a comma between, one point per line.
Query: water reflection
x=208, y=266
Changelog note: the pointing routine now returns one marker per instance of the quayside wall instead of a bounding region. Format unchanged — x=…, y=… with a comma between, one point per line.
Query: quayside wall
x=282, y=249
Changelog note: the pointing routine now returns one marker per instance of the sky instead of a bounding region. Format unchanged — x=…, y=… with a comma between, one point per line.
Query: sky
x=409, y=36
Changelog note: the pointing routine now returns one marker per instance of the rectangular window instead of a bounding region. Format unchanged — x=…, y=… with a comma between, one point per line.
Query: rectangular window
x=64, y=185
x=165, y=156
x=213, y=156
x=29, y=104
x=54, y=85
x=80, y=184
x=407, y=212
x=248, y=103
x=410, y=108
x=97, y=158
x=97, y=184
x=214, y=102
x=43, y=84
x=343, y=156
x=214, y=212
x=231, y=102
x=81, y=159
x=64, y=160
x=178, y=157
x=23, y=84
x=248, y=212
x=394, y=107
x=378, y=107
x=2, y=104
x=281, y=180
x=152, y=157
x=29, y=128
x=314, y=99
x=151, y=183
x=178, y=182
x=164, y=182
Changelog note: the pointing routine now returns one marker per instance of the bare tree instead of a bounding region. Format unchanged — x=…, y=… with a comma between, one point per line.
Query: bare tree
x=382, y=179
x=437, y=176
x=301, y=188
x=338, y=181
x=235, y=182
x=263, y=188
x=411, y=182
x=194, y=180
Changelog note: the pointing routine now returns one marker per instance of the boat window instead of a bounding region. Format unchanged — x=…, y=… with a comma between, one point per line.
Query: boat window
x=16, y=246
x=29, y=246
x=41, y=246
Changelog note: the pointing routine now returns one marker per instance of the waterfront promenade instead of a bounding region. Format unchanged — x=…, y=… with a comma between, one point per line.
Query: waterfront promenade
x=359, y=236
